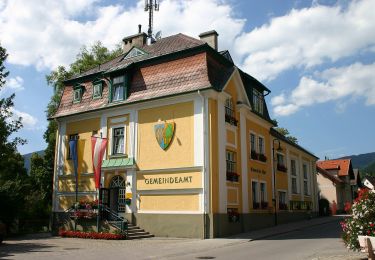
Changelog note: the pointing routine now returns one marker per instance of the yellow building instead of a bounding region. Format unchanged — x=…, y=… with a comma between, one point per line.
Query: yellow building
x=190, y=143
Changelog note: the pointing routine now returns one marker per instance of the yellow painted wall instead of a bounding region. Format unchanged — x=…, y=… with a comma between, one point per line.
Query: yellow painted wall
x=257, y=170
x=233, y=196
x=66, y=202
x=231, y=137
x=175, y=202
x=84, y=184
x=214, y=163
x=180, y=152
x=84, y=128
x=231, y=89
x=166, y=181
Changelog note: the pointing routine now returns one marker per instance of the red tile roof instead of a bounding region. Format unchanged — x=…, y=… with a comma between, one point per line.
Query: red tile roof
x=341, y=165
x=177, y=75
x=328, y=175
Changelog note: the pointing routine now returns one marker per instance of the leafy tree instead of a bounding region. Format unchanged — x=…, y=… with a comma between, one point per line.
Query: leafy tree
x=86, y=59
x=284, y=132
x=13, y=177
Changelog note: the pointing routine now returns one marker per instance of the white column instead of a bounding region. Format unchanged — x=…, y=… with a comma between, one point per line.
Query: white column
x=244, y=160
x=300, y=176
x=131, y=134
x=222, y=139
x=103, y=131
x=131, y=186
x=288, y=165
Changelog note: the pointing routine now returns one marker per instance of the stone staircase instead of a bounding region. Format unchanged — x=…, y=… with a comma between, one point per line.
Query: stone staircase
x=135, y=232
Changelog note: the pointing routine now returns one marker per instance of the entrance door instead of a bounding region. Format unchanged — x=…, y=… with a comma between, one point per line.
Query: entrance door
x=113, y=199
x=117, y=194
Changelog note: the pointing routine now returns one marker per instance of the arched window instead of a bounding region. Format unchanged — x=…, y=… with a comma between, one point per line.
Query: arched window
x=119, y=182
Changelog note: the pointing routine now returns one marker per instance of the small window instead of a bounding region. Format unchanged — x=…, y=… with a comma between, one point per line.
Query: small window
x=231, y=166
x=118, y=88
x=71, y=137
x=305, y=180
x=294, y=176
x=258, y=101
x=118, y=141
x=229, y=112
x=97, y=90
x=261, y=145
x=255, y=192
x=282, y=200
x=134, y=53
x=253, y=143
x=77, y=95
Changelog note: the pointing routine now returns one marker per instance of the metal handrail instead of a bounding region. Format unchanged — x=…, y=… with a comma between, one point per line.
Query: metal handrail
x=115, y=217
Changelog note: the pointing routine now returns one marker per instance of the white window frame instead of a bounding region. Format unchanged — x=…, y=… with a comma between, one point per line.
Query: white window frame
x=111, y=129
x=263, y=147
x=306, y=179
x=255, y=142
x=118, y=84
x=265, y=191
x=257, y=198
x=258, y=101
x=286, y=197
x=99, y=89
x=294, y=176
x=277, y=158
x=258, y=192
x=77, y=98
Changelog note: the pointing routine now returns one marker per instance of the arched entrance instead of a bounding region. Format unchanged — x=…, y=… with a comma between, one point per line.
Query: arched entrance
x=117, y=194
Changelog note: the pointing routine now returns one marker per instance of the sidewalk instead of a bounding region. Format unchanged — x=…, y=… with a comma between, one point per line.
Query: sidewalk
x=285, y=228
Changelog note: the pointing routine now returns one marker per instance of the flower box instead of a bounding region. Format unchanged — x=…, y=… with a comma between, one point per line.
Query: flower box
x=264, y=204
x=363, y=243
x=231, y=120
x=256, y=205
x=281, y=168
x=232, y=176
x=262, y=157
x=254, y=155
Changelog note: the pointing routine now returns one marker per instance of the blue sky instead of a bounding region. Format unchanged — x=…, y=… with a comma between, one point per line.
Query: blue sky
x=317, y=57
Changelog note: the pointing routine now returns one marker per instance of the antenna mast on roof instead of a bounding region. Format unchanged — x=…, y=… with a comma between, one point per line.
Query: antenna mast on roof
x=150, y=6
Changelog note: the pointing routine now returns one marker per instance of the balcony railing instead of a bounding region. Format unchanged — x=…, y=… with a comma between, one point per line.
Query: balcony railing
x=258, y=156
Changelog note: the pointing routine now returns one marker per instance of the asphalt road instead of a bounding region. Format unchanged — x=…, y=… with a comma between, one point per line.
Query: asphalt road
x=316, y=242
x=320, y=241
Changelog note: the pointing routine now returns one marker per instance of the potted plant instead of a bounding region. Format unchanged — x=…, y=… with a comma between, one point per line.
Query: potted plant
x=254, y=155
x=262, y=157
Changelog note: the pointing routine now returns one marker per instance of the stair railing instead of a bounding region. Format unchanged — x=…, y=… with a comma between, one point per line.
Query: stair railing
x=109, y=214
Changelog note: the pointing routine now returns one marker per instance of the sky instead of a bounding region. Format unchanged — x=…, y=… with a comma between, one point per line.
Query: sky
x=316, y=56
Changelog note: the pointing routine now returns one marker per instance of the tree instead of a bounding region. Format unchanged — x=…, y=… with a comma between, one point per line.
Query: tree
x=86, y=59
x=13, y=177
x=284, y=132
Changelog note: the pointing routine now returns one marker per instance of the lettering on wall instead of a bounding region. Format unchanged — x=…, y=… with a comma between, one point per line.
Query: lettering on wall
x=168, y=180
x=258, y=170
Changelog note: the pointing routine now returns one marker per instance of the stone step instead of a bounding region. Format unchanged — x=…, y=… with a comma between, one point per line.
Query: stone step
x=136, y=236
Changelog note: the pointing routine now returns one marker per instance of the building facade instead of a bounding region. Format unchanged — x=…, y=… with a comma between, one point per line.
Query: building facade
x=191, y=148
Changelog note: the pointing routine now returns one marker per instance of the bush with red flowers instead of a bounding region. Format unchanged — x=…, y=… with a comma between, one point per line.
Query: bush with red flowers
x=362, y=220
x=90, y=235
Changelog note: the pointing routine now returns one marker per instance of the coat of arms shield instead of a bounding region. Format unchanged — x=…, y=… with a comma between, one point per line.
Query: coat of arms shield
x=164, y=134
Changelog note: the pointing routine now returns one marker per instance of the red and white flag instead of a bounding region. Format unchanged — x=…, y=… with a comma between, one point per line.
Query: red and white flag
x=98, y=148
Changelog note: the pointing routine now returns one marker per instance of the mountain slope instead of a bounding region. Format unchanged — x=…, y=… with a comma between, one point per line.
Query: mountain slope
x=27, y=159
x=361, y=161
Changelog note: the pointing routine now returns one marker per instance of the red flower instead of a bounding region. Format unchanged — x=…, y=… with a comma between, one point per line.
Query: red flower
x=90, y=235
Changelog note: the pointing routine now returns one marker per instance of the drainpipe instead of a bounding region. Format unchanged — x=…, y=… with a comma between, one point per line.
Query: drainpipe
x=205, y=138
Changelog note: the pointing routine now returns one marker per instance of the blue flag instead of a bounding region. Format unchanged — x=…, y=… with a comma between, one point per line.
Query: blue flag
x=74, y=155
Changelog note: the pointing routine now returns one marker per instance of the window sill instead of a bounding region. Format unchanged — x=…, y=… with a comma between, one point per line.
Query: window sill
x=113, y=156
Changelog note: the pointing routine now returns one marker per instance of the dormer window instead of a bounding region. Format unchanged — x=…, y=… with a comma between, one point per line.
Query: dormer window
x=118, y=88
x=77, y=94
x=133, y=53
x=258, y=101
x=97, y=90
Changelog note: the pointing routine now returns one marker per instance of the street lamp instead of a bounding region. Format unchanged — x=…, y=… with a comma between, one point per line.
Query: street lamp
x=274, y=174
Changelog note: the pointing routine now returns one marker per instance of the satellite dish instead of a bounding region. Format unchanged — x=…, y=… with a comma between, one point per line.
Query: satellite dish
x=158, y=35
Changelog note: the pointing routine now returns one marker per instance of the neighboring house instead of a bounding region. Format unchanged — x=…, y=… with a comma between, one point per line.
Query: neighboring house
x=190, y=142
x=356, y=183
x=335, y=178
x=369, y=182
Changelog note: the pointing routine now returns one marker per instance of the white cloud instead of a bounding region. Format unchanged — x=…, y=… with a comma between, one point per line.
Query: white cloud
x=308, y=37
x=353, y=82
x=28, y=121
x=50, y=33
x=12, y=85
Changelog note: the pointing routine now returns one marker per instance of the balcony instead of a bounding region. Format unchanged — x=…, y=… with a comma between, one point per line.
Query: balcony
x=258, y=156
x=231, y=119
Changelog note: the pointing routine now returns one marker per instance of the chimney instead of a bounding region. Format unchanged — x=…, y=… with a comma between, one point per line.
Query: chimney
x=210, y=37
x=137, y=40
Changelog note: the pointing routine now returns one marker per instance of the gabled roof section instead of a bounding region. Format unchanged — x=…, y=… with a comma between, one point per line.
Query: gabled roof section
x=134, y=52
x=328, y=175
x=343, y=166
